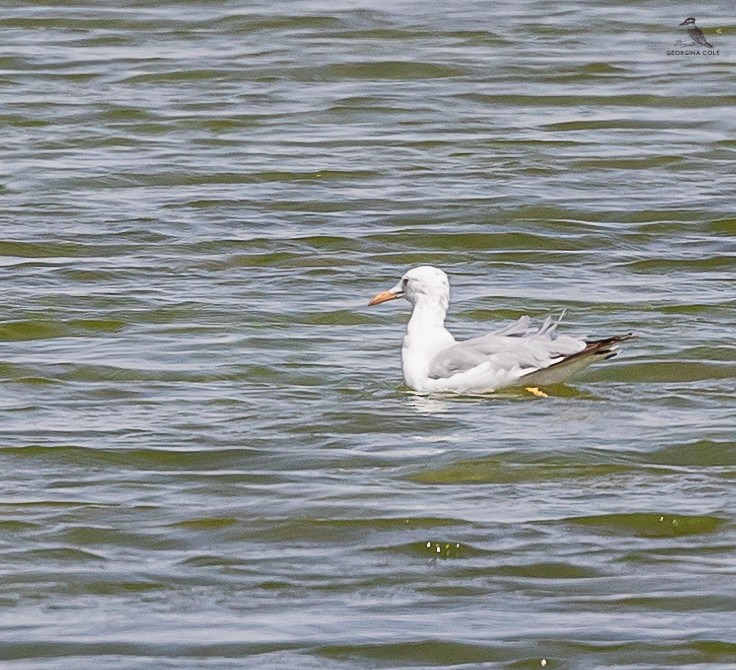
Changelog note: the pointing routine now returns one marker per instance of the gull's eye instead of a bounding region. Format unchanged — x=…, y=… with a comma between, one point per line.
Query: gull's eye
x=405, y=282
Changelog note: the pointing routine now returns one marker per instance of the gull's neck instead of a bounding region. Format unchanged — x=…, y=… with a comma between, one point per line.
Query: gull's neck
x=425, y=337
x=428, y=313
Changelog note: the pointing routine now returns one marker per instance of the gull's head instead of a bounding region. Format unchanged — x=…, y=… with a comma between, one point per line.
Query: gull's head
x=690, y=21
x=418, y=284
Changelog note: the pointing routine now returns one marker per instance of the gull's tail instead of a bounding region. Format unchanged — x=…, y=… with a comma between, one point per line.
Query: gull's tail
x=595, y=350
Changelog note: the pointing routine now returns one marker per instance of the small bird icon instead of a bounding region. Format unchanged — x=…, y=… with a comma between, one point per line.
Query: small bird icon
x=696, y=34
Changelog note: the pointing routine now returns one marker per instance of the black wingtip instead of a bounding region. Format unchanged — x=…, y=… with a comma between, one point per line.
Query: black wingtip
x=607, y=347
x=609, y=341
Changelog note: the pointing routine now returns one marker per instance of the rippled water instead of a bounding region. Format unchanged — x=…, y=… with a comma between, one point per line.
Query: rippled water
x=208, y=457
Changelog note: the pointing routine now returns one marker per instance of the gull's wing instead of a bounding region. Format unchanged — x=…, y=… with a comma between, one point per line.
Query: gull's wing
x=515, y=350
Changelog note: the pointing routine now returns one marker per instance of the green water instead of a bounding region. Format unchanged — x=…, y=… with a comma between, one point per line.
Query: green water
x=208, y=458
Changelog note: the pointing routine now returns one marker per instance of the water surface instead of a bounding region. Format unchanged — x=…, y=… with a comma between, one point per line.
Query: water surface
x=208, y=457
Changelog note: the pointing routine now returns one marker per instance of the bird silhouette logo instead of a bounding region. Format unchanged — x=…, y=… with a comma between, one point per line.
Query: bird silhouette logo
x=696, y=34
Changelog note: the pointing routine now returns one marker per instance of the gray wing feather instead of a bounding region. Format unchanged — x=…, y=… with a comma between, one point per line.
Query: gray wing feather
x=457, y=358
x=516, y=329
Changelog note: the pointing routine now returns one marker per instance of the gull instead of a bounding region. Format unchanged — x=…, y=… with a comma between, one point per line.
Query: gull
x=515, y=355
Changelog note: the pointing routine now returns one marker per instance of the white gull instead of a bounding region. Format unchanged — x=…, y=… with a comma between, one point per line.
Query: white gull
x=516, y=355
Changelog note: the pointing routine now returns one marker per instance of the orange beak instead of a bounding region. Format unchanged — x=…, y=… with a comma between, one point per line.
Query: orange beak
x=384, y=297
